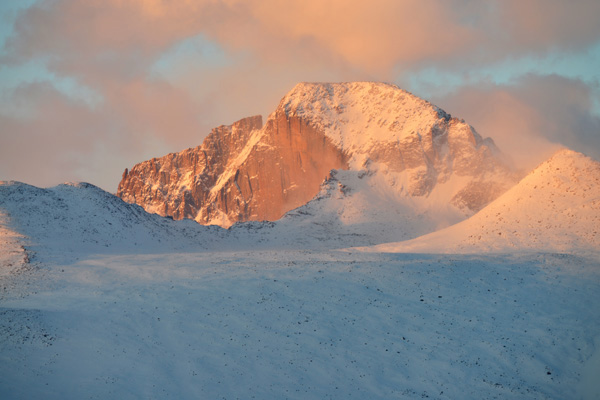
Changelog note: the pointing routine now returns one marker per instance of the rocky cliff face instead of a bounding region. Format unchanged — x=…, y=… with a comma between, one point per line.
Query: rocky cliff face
x=247, y=171
x=241, y=172
x=179, y=184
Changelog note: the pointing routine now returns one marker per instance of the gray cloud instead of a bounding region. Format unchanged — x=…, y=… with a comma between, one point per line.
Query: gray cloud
x=531, y=117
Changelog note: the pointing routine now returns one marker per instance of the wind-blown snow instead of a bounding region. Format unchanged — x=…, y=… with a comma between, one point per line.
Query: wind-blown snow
x=367, y=209
x=554, y=208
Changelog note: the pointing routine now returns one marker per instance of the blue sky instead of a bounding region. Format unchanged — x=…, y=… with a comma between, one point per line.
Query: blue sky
x=90, y=88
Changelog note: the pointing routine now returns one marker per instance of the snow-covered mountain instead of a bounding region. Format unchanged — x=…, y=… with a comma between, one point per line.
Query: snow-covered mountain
x=406, y=149
x=556, y=207
x=101, y=299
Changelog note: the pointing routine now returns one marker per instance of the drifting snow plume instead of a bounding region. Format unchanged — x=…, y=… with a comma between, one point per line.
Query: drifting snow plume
x=556, y=208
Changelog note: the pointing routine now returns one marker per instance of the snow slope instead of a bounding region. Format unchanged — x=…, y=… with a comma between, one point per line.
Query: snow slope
x=80, y=217
x=304, y=325
x=360, y=209
x=12, y=255
x=554, y=208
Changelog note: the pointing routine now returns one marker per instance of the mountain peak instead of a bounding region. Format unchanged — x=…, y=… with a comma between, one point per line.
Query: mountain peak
x=316, y=90
x=358, y=114
x=262, y=172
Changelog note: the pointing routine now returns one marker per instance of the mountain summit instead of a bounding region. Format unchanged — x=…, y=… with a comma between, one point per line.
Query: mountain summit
x=404, y=146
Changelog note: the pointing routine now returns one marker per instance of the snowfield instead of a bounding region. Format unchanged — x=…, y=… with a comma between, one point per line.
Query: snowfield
x=99, y=299
x=301, y=324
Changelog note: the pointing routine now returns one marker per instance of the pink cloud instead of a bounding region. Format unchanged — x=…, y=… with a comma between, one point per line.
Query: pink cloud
x=371, y=36
x=124, y=36
x=48, y=138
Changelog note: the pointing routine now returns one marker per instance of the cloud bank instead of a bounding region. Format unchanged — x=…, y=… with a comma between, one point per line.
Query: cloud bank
x=532, y=117
x=163, y=73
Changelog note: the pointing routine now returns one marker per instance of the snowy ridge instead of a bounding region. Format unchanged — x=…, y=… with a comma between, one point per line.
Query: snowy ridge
x=358, y=117
x=76, y=218
x=556, y=207
x=80, y=217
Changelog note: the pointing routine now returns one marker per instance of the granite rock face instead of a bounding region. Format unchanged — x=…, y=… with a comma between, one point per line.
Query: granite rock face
x=241, y=172
x=247, y=171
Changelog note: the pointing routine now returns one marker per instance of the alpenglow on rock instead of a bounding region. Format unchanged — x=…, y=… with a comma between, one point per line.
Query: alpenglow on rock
x=247, y=171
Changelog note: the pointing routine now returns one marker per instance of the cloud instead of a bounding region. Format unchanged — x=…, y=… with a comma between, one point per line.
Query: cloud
x=541, y=25
x=99, y=37
x=49, y=137
x=111, y=48
x=382, y=37
x=373, y=37
x=531, y=117
x=121, y=37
